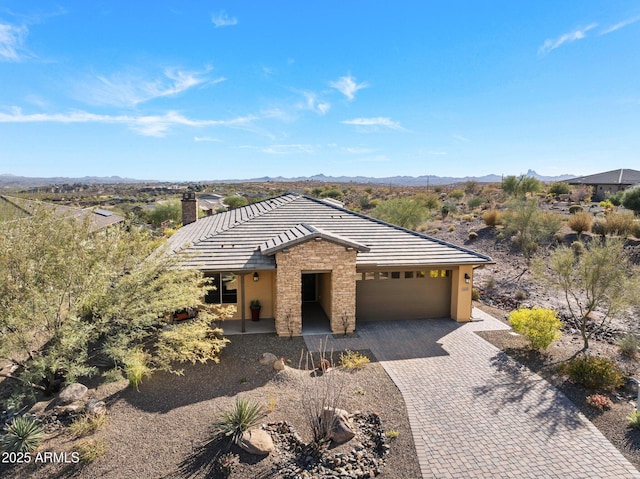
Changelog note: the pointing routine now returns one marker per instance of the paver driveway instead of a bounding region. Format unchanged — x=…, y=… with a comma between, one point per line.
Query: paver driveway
x=475, y=413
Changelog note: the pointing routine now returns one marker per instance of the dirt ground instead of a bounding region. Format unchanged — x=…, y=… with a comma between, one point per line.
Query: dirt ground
x=162, y=430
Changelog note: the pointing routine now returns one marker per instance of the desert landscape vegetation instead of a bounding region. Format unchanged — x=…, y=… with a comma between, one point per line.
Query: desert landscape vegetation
x=565, y=277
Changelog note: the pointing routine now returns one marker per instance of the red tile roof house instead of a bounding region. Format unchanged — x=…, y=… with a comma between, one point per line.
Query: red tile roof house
x=294, y=252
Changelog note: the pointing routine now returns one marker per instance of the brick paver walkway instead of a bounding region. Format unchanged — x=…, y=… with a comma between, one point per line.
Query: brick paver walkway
x=475, y=413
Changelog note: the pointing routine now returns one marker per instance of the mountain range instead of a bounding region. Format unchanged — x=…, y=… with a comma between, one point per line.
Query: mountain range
x=424, y=180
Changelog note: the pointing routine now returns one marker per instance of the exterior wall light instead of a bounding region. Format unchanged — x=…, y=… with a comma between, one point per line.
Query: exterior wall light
x=256, y=277
x=467, y=278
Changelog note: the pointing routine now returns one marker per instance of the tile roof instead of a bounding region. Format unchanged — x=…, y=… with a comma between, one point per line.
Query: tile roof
x=99, y=218
x=236, y=240
x=613, y=177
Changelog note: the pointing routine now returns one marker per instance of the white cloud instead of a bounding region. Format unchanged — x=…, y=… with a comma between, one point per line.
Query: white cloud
x=356, y=150
x=223, y=20
x=620, y=25
x=570, y=37
x=129, y=89
x=11, y=41
x=312, y=103
x=347, y=86
x=377, y=121
x=147, y=125
x=198, y=139
x=461, y=138
x=287, y=149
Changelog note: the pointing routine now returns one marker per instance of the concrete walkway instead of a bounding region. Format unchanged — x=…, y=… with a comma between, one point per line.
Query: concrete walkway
x=474, y=412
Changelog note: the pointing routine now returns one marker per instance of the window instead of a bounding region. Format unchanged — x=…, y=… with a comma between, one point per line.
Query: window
x=421, y=274
x=225, y=289
x=395, y=275
x=433, y=273
x=408, y=274
x=383, y=275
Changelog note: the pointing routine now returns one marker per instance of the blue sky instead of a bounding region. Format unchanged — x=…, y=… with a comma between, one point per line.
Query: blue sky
x=206, y=90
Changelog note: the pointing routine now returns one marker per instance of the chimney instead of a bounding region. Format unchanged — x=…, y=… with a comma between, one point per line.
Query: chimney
x=189, y=208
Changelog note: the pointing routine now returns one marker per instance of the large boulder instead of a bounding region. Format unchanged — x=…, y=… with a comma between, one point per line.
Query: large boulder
x=72, y=393
x=268, y=358
x=341, y=431
x=256, y=441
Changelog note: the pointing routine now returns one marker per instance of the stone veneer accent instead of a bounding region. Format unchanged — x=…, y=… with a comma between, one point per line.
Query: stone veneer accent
x=315, y=256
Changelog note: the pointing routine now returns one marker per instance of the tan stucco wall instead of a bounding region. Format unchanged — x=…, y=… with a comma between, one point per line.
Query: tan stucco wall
x=324, y=292
x=461, y=293
x=315, y=256
x=262, y=290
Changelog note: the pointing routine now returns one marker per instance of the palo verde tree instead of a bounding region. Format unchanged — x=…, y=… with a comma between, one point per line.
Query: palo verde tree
x=70, y=295
x=404, y=212
x=631, y=200
x=597, y=284
x=529, y=225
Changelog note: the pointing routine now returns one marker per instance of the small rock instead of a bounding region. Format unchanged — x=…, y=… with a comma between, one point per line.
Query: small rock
x=341, y=431
x=256, y=441
x=278, y=365
x=267, y=358
x=72, y=408
x=73, y=392
x=96, y=408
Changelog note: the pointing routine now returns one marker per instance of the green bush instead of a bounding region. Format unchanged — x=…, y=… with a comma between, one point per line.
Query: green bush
x=577, y=247
x=24, y=434
x=475, y=294
x=629, y=344
x=636, y=229
x=87, y=424
x=136, y=366
x=634, y=419
x=245, y=414
x=559, y=188
x=593, y=372
x=575, y=209
x=475, y=202
x=456, y=194
x=540, y=325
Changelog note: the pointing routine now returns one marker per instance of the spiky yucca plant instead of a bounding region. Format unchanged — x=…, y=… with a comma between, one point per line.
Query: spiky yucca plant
x=24, y=434
x=245, y=414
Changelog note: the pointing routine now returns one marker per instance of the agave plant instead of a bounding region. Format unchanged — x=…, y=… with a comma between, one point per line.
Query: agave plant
x=241, y=417
x=24, y=434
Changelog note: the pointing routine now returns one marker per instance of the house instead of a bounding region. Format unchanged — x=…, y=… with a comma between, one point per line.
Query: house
x=609, y=182
x=294, y=253
x=12, y=208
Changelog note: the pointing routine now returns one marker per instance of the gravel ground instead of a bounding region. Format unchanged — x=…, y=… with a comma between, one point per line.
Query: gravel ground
x=160, y=431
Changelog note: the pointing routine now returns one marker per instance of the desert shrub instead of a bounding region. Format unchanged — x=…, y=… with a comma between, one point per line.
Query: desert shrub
x=631, y=199
x=581, y=193
x=24, y=434
x=636, y=229
x=634, y=419
x=353, y=360
x=577, y=247
x=607, y=205
x=520, y=295
x=475, y=202
x=429, y=201
x=333, y=193
x=599, y=226
x=491, y=283
x=89, y=451
x=531, y=226
x=452, y=228
x=232, y=423
x=629, y=344
x=541, y=326
x=473, y=235
x=599, y=401
x=447, y=208
x=475, y=294
x=392, y=434
x=575, y=209
x=456, y=194
x=616, y=199
x=580, y=222
x=492, y=217
x=137, y=366
x=593, y=372
x=400, y=211
x=620, y=224
x=559, y=188
x=87, y=424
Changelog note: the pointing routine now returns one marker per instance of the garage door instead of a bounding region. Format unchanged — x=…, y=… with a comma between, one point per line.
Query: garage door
x=403, y=295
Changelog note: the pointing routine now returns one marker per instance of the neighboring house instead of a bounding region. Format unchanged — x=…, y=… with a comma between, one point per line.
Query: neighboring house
x=293, y=251
x=12, y=208
x=608, y=183
x=209, y=203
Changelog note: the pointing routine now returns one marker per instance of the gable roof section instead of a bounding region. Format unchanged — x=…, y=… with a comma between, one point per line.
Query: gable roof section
x=302, y=233
x=236, y=240
x=613, y=177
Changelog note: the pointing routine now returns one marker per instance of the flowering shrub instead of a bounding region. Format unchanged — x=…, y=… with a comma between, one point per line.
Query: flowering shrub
x=599, y=401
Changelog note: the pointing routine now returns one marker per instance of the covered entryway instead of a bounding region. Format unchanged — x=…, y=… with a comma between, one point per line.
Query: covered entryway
x=316, y=303
x=383, y=295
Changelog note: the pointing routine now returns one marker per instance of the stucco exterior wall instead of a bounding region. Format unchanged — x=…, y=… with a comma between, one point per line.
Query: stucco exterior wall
x=315, y=256
x=461, y=293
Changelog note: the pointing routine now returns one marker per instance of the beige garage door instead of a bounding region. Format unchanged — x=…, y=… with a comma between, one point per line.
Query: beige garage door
x=403, y=295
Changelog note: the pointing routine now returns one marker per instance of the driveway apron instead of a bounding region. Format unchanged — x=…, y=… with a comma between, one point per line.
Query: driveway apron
x=474, y=412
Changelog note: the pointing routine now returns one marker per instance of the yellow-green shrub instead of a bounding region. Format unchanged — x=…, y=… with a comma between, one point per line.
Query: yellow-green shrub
x=593, y=372
x=580, y=222
x=492, y=217
x=353, y=360
x=540, y=325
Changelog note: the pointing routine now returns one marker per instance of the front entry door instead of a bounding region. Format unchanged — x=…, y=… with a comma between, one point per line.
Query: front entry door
x=309, y=287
